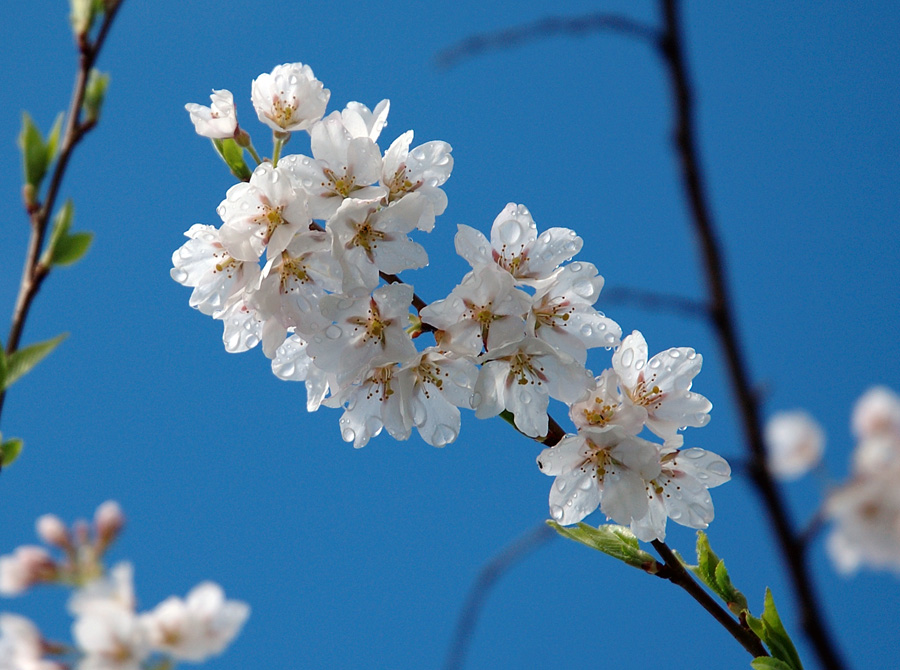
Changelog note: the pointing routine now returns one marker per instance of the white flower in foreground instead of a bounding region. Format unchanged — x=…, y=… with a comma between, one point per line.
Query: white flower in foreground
x=483, y=312
x=605, y=406
x=605, y=467
x=217, y=122
x=562, y=314
x=203, y=263
x=680, y=492
x=522, y=377
x=866, y=513
x=374, y=403
x=265, y=212
x=362, y=122
x=876, y=413
x=198, y=627
x=516, y=246
x=343, y=166
x=794, y=444
x=661, y=386
x=22, y=646
x=422, y=170
x=111, y=638
x=290, y=98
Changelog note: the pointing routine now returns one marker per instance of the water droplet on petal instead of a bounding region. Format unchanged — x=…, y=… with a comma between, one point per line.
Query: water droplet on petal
x=333, y=332
x=628, y=357
x=557, y=512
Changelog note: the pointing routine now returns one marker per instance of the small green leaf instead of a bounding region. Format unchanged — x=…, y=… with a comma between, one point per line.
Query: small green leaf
x=233, y=155
x=94, y=93
x=81, y=15
x=72, y=248
x=34, y=152
x=735, y=600
x=768, y=663
x=613, y=540
x=710, y=570
x=778, y=640
x=22, y=361
x=10, y=450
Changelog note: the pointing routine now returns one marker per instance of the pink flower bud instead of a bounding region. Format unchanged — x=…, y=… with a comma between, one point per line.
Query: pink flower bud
x=27, y=566
x=108, y=520
x=53, y=531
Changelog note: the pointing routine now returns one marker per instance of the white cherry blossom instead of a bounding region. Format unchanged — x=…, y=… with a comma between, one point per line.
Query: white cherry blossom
x=661, y=386
x=434, y=386
x=562, y=314
x=369, y=238
x=603, y=467
x=522, y=377
x=422, y=170
x=605, y=406
x=877, y=412
x=198, y=627
x=290, y=98
x=242, y=329
x=366, y=331
x=203, y=263
x=111, y=638
x=362, y=122
x=22, y=645
x=343, y=166
x=372, y=404
x=483, y=312
x=680, y=492
x=794, y=444
x=265, y=212
x=516, y=246
x=26, y=566
x=292, y=363
x=217, y=122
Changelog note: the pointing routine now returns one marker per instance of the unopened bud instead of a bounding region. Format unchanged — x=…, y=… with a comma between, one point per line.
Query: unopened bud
x=27, y=566
x=108, y=521
x=53, y=531
x=877, y=413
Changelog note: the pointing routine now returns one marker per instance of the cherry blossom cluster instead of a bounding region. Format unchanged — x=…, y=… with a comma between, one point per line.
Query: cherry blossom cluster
x=866, y=510
x=305, y=264
x=109, y=633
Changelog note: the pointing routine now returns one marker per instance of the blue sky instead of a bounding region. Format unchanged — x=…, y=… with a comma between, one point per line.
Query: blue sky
x=362, y=559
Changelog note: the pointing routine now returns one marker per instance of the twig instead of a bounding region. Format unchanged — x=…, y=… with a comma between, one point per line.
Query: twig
x=675, y=572
x=790, y=543
x=552, y=25
x=662, y=302
x=36, y=272
x=489, y=575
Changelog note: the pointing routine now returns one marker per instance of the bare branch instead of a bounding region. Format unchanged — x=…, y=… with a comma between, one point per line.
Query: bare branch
x=551, y=26
x=657, y=302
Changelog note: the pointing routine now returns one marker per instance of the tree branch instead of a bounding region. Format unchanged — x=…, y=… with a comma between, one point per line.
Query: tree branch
x=722, y=318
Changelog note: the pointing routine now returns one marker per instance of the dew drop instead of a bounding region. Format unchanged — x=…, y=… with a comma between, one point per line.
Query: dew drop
x=586, y=330
x=628, y=357
x=557, y=512
x=333, y=332
x=179, y=275
x=475, y=400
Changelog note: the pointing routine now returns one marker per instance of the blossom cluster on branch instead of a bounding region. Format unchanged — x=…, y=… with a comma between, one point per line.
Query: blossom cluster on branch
x=305, y=264
x=109, y=632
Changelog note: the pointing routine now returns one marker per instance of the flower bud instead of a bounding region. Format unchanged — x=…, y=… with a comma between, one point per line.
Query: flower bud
x=108, y=521
x=877, y=413
x=53, y=531
x=27, y=566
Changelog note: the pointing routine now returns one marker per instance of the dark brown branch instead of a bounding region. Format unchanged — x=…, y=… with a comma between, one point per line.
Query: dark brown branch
x=573, y=26
x=35, y=272
x=489, y=575
x=660, y=302
x=790, y=543
x=675, y=572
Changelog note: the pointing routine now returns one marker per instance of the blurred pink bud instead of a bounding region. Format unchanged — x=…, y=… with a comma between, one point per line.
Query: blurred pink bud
x=794, y=443
x=53, y=531
x=24, y=568
x=108, y=520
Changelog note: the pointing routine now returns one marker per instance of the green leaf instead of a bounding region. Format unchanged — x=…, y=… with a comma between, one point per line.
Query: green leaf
x=778, y=640
x=233, y=155
x=35, y=157
x=94, y=93
x=10, y=450
x=612, y=540
x=72, y=248
x=22, y=361
x=53, y=138
x=710, y=570
x=81, y=15
x=768, y=663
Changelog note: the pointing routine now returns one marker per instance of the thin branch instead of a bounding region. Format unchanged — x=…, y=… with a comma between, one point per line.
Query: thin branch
x=790, y=543
x=551, y=26
x=489, y=575
x=659, y=302
x=35, y=272
x=675, y=572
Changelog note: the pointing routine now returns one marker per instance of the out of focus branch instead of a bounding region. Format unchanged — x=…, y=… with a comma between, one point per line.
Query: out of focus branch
x=490, y=574
x=657, y=302
x=35, y=272
x=551, y=26
x=723, y=321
